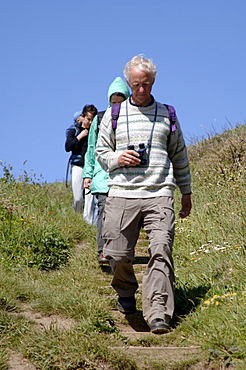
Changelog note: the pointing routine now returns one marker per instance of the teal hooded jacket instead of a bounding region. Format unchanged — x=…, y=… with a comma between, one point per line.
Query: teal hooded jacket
x=92, y=168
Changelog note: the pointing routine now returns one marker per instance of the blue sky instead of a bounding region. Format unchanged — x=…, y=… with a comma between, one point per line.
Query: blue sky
x=58, y=55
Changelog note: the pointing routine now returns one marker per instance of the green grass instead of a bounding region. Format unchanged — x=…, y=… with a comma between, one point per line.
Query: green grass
x=41, y=268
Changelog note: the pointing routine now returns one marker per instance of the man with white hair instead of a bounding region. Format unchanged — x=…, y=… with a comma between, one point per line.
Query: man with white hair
x=145, y=163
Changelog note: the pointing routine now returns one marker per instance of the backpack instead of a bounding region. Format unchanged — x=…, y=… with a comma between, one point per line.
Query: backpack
x=75, y=126
x=99, y=118
x=115, y=111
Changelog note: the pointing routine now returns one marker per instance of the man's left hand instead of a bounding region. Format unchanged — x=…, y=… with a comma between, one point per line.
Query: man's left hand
x=186, y=206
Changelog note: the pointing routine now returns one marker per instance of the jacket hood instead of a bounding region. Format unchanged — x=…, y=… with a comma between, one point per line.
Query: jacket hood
x=118, y=85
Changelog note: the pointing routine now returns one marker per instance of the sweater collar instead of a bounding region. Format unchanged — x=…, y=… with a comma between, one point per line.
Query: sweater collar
x=135, y=105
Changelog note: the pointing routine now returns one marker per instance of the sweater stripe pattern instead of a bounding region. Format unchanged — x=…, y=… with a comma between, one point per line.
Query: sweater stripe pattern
x=166, y=167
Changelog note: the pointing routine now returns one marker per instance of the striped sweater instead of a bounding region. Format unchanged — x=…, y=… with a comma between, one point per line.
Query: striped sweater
x=166, y=167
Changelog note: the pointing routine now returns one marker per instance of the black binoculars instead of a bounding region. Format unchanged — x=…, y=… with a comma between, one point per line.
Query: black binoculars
x=142, y=153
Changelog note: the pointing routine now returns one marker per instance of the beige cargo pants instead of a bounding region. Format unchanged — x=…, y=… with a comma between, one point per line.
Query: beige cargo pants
x=123, y=219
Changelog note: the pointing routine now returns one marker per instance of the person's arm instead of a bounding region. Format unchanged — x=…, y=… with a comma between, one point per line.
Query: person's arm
x=82, y=134
x=177, y=152
x=71, y=141
x=90, y=158
x=105, y=148
x=186, y=205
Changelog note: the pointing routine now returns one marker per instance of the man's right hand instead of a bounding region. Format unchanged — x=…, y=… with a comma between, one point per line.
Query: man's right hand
x=129, y=158
x=87, y=183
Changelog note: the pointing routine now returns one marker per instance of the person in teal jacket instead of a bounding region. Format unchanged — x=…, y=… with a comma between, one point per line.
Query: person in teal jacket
x=95, y=178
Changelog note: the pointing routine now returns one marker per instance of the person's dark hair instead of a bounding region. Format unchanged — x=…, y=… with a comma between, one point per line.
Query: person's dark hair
x=117, y=94
x=89, y=109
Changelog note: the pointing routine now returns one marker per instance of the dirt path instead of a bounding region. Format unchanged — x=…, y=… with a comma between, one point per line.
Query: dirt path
x=147, y=355
x=139, y=341
x=16, y=360
x=45, y=322
x=132, y=327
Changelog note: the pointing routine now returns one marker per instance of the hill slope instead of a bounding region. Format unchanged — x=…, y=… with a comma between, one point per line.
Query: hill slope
x=44, y=275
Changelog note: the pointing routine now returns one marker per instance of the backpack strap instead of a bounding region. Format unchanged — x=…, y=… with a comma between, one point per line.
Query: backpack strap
x=72, y=127
x=172, y=117
x=99, y=118
x=67, y=170
x=115, y=111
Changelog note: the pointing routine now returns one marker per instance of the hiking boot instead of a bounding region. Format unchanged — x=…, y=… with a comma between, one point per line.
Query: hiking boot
x=159, y=326
x=102, y=259
x=127, y=304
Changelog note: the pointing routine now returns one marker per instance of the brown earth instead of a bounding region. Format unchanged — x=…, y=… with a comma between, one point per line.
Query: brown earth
x=132, y=328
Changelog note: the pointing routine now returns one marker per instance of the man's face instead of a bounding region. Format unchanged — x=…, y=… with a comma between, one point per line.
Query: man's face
x=141, y=83
x=87, y=119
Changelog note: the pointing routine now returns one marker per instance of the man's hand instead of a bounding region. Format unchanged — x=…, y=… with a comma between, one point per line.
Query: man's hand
x=186, y=206
x=87, y=183
x=129, y=158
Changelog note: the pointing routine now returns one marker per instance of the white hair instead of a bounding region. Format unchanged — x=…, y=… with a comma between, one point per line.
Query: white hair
x=142, y=63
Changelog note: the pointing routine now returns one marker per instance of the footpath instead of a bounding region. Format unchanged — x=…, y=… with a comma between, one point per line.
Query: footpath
x=139, y=344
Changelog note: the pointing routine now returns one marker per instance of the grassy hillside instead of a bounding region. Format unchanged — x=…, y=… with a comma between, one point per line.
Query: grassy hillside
x=43, y=270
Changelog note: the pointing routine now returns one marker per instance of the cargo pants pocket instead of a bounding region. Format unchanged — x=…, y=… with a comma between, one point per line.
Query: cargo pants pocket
x=112, y=218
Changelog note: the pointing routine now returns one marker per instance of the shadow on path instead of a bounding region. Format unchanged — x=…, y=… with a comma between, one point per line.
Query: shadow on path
x=137, y=322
